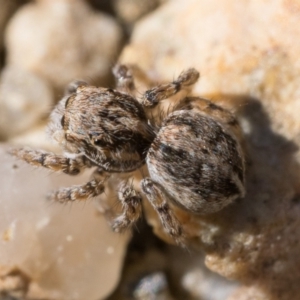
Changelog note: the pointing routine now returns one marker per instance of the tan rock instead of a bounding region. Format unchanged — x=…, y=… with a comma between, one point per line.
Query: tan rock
x=6, y=11
x=36, y=137
x=130, y=11
x=63, y=40
x=25, y=99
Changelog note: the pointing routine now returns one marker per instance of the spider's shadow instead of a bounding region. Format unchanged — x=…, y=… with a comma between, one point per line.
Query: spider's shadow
x=271, y=202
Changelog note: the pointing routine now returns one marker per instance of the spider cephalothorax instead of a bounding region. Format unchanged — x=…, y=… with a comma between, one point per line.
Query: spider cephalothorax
x=193, y=155
x=109, y=127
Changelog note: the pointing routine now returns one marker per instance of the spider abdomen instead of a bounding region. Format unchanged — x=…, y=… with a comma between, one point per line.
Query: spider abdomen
x=197, y=161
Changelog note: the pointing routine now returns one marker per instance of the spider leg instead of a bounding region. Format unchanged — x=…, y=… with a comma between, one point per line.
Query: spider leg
x=73, y=86
x=129, y=77
x=124, y=78
x=83, y=192
x=153, y=96
x=131, y=201
x=159, y=200
x=54, y=162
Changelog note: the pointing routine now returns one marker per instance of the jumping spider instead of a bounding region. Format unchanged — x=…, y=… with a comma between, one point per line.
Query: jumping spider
x=194, y=158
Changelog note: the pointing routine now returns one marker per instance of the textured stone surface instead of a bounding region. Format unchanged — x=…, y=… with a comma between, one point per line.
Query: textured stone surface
x=248, y=55
x=193, y=280
x=155, y=270
x=50, y=251
x=63, y=40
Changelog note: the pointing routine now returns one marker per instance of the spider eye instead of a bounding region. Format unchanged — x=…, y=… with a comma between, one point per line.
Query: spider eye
x=99, y=143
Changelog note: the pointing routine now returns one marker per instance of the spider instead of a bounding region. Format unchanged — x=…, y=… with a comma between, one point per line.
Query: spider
x=192, y=152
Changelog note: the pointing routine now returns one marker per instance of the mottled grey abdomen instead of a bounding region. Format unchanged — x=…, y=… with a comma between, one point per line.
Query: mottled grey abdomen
x=198, y=162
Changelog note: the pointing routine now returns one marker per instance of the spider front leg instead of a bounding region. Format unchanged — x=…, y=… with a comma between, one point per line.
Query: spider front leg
x=73, y=86
x=54, y=162
x=153, y=96
x=128, y=77
x=131, y=202
x=83, y=192
x=159, y=200
x=124, y=78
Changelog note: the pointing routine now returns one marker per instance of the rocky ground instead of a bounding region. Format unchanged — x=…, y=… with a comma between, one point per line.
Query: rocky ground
x=248, y=57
